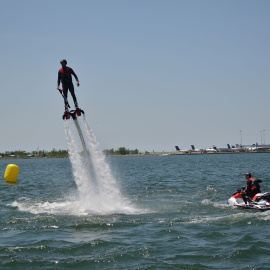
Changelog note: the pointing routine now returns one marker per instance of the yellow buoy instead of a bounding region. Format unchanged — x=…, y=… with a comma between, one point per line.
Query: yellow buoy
x=11, y=173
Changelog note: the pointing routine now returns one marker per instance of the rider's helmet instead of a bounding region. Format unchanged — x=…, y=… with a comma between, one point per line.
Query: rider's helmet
x=248, y=175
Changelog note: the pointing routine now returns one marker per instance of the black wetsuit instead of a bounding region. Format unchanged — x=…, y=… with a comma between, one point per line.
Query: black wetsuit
x=64, y=75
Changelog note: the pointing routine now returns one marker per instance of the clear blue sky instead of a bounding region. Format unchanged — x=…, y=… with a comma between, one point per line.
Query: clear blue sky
x=153, y=74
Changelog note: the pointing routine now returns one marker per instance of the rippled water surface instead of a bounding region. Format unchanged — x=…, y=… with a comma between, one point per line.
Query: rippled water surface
x=166, y=212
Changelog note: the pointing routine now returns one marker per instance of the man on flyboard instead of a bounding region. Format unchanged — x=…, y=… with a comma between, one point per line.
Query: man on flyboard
x=65, y=77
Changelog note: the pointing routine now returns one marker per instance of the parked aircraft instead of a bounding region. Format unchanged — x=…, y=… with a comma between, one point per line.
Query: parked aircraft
x=196, y=150
x=182, y=150
x=193, y=149
x=234, y=149
x=210, y=150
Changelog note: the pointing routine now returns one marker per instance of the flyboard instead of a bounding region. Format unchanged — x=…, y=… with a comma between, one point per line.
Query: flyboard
x=73, y=114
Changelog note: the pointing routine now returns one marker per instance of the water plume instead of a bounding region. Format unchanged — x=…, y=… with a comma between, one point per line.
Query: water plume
x=97, y=188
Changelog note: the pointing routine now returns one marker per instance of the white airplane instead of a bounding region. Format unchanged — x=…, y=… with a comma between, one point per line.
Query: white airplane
x=210, y=150
x=182, y=150
x=234, y=149
x=196, y=150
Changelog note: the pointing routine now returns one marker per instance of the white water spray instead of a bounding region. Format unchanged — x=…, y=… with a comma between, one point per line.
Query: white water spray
x=98, y=190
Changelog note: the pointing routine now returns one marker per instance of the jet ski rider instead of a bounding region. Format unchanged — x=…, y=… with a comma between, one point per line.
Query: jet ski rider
x=252, y=188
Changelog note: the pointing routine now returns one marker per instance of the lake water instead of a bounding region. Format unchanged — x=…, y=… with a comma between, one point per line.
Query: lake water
x=154, y=212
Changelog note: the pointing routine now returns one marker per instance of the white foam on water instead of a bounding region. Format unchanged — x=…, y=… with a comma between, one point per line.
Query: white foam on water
x=55, y=208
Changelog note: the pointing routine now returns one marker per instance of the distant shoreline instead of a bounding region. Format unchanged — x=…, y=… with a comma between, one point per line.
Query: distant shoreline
x=28, y=157
x=187, y=154
x=149, y=154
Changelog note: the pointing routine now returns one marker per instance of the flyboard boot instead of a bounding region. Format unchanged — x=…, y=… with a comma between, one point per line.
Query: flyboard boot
x=78, y=110
x=66, y=114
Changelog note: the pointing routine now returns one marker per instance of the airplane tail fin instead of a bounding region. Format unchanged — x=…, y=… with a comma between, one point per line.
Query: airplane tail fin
x=192, y=146
x=177, y=148
x=229, y=147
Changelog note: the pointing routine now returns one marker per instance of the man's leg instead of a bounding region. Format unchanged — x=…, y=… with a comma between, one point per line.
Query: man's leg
x=72, y=92
x=65, y=92
x=244, y=194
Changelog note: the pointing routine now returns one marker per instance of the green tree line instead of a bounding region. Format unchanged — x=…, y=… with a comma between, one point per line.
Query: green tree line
x=24, y=154
x=121, y=151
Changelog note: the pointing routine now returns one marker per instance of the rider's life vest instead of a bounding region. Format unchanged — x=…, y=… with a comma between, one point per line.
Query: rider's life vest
x=252, y=179
x=254, y=186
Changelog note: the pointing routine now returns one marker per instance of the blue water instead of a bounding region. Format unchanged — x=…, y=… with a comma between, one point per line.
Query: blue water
x=166, y=212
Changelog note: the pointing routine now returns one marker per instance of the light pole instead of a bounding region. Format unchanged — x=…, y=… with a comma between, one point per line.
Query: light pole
x=241, y=137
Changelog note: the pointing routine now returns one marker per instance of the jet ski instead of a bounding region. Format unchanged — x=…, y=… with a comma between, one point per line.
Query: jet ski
x=261, y=201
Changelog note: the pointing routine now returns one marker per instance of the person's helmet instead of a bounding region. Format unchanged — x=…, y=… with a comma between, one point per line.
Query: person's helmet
x=63, y=61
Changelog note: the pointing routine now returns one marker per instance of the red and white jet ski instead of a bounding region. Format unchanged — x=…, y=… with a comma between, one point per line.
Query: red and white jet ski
x=261, y=201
